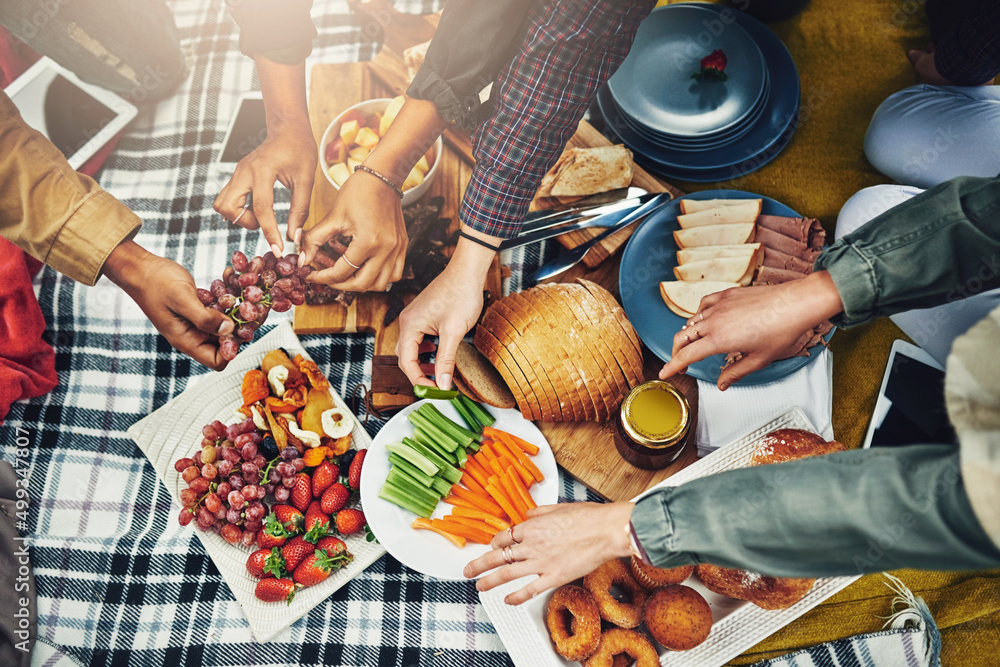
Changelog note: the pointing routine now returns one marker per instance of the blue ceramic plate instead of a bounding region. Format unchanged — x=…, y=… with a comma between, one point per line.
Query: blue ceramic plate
x=654, y=84
x=650, y=257
x=771, y=133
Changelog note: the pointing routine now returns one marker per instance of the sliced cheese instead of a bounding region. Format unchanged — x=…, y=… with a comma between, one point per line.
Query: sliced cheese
x=695, y=205
x=723, y=269
x=717, y=252
x=685, y=297
x=743, y=212
x=714, y=235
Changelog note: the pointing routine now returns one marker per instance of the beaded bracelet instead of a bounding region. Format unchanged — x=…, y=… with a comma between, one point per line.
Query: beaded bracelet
x=369, y=170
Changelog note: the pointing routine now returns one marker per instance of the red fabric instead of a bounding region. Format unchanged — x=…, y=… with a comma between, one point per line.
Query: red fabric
x=27, y=363
x=15, y=57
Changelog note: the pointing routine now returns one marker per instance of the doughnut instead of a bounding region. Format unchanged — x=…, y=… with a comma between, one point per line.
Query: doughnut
x=765, y=592
x=616, y=642
x=599, y=582
x=678, y=617
x=574, y=622
x=650, y=577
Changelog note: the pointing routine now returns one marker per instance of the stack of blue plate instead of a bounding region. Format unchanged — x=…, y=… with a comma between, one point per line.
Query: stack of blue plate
x=703, y=129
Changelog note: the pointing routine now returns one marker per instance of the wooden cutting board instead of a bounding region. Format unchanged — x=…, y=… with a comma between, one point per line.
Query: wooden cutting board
x=585, y=450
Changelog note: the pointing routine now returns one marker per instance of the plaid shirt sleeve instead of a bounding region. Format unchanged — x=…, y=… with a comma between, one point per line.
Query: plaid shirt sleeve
x=969, y=54
x=570, y=48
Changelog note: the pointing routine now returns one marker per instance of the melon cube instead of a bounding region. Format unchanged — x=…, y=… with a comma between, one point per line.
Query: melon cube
x=339, y=173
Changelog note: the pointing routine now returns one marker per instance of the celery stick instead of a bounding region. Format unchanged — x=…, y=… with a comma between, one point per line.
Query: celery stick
x=466, y=415
x=446, y=425
x=441, y=486
x=423, y=391
x=410, y=469
x=400, y=499
x=462, y=457
x=445, y=470
x=404, y=482
x=414, y=457
x=421, y=436
x=450, y=440
x=478, y=411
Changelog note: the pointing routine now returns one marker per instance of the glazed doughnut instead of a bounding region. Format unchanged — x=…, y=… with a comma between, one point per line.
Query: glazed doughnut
x=651, y=578
x=578, y=638
x=618, y=641
x=678, y=617
x=765, y=592
x=599, y=582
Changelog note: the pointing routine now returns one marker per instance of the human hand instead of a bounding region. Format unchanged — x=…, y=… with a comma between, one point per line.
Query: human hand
x=447, y=308
x=761, y=322
x=926, y=70
x=288, y=156
x=559, y=543
x=166, y=293
x=369, y=212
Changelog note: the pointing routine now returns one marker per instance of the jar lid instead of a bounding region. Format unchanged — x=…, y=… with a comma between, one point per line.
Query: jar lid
x=655, y=414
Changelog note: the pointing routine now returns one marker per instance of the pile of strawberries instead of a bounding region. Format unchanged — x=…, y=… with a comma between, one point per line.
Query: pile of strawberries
x=298, y=546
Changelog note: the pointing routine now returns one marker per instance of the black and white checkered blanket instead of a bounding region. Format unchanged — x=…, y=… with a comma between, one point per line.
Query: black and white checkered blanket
x=119, y=581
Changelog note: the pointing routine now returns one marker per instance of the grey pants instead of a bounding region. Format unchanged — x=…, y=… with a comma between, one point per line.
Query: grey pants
x=127, y=46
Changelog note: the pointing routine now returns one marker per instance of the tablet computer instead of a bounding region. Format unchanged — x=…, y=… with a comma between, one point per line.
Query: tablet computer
x=78, y=118
x=910, y=408
x=247, y=130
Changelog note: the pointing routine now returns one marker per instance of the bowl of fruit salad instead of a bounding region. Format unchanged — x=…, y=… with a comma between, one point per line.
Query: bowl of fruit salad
x=354, y=133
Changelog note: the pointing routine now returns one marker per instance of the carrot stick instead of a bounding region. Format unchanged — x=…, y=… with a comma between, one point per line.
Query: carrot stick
x=472, y=483
x=483, y=502
x=452, y=499
x=478, y=524
x=523, y=472
x=488, y=452
x=459, y=510
x=498, y=495
x=422, y=523
x=510, y=438
x=497, y=468
x=522, y=457
x=477, y=536
x=474, y=468
x=515, y=497
x=522, y=491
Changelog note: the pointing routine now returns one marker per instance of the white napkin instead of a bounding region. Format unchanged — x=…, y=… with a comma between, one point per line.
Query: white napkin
x=726, y=416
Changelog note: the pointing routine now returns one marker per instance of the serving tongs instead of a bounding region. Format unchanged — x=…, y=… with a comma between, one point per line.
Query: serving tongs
x=572, y=257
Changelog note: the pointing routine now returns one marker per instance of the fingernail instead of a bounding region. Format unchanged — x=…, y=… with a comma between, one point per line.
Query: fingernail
x=724, y=386
x=444, y=382
x=226, y=327
x=276, y=250
x=298, y=236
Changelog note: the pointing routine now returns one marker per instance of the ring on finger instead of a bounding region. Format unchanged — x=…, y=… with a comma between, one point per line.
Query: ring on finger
x=508, y=555
x=510, y=531
x=353, y=265
x=240, y=215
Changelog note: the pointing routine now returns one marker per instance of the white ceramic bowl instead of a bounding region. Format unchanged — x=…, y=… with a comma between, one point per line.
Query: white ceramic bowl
x=366, y=109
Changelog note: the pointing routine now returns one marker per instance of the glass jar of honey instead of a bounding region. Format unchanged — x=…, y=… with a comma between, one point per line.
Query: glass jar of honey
x=653, y=425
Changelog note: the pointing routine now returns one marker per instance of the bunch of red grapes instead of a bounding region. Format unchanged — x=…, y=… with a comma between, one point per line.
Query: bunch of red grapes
x=229, y=477
x=252, y=288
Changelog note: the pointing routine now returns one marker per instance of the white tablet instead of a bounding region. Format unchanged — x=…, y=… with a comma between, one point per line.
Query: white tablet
x=79, y=118
x=247, y=130
x=910, y=409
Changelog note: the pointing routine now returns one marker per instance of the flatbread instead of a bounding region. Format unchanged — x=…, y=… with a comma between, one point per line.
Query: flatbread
x=687, y=296
x=587, y=171
x=741, y=213
x=697, y=237
x=716, y=252
x=724, y=269
x=695, y=205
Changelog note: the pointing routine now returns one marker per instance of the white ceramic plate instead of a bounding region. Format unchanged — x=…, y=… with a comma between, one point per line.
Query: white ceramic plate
x=423, y=550
x=736, y=625
x=174, y=431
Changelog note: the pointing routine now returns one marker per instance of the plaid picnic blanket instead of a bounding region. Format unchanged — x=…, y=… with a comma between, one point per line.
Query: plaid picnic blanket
x=119, y=581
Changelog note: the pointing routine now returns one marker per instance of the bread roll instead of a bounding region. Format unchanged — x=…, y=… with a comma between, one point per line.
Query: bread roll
x=765, y=592
x=789, y=444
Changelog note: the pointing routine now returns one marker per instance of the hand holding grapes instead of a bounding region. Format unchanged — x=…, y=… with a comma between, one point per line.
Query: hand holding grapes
x=166, y=293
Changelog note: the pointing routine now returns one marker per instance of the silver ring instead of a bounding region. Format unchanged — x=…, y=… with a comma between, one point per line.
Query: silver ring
x=388, y=287
x=510, y=531
x=701, y=316
x=695, y=332
x=508, y=555
x=687, y=338
x=356, y=267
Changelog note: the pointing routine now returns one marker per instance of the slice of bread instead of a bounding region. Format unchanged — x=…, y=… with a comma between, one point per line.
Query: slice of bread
x=629, y=359
x=526, y=353
x=481, y=379
x=491, y=348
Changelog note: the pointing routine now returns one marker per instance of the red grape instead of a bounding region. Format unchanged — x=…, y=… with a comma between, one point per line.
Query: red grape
x=253, y=526
x=228, y=347
x=218, y=288
x=205, y=296
x=225, y=467
x=261, y=492
x=248, y=279
x=260, y=461
x=236, y=500
x=253, y=294
x=240, y=262
x=248, y=538
x=227, y=302
x=247, y=426
x=284, y=284
x=188, y=498
x=297, y=297
x=199, y=485
x=209, y=471
x=184, y=518
x=248, y=311
x=249, y=492
x=230, y=533
x=281, y=305
x=183, y=464
x=284, y=267
x=285, y=469
x=268, y=277
x=205, y=518
x=249, y=451
x=281, y=494
x=226, y=273
x=288, y=482
x=191, y=473
x=256, y=264
x=298, y=464
x=289, y=453
x=236, y=482
x=262, y=311
x=245, y=332
x=303, y=271
x=212, y=502
x=223, y=489
x=197, y=459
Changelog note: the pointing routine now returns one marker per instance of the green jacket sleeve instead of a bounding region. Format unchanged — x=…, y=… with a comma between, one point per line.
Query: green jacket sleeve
x=940, y=246
x=847, y=513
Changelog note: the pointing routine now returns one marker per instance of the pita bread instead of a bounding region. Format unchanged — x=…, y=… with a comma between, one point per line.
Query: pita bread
x=746, y=211
x=697, y=237
x=724, y=269
x=684, y=297
x=587, y=171
x=695, y=205
x=717, y=252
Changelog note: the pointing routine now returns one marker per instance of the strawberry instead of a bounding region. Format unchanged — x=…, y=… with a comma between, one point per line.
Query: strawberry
x=315, y=568
x=302, y=493
x=323, y=476
x=713, y=65
x=316, y=517
x=273, y=534
x=354, y=474
x=334, y=548
x=350, y=521
x=334, y=499
x=266, y=563
x=296, y=549
x=290, y=518
x=276, y=590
